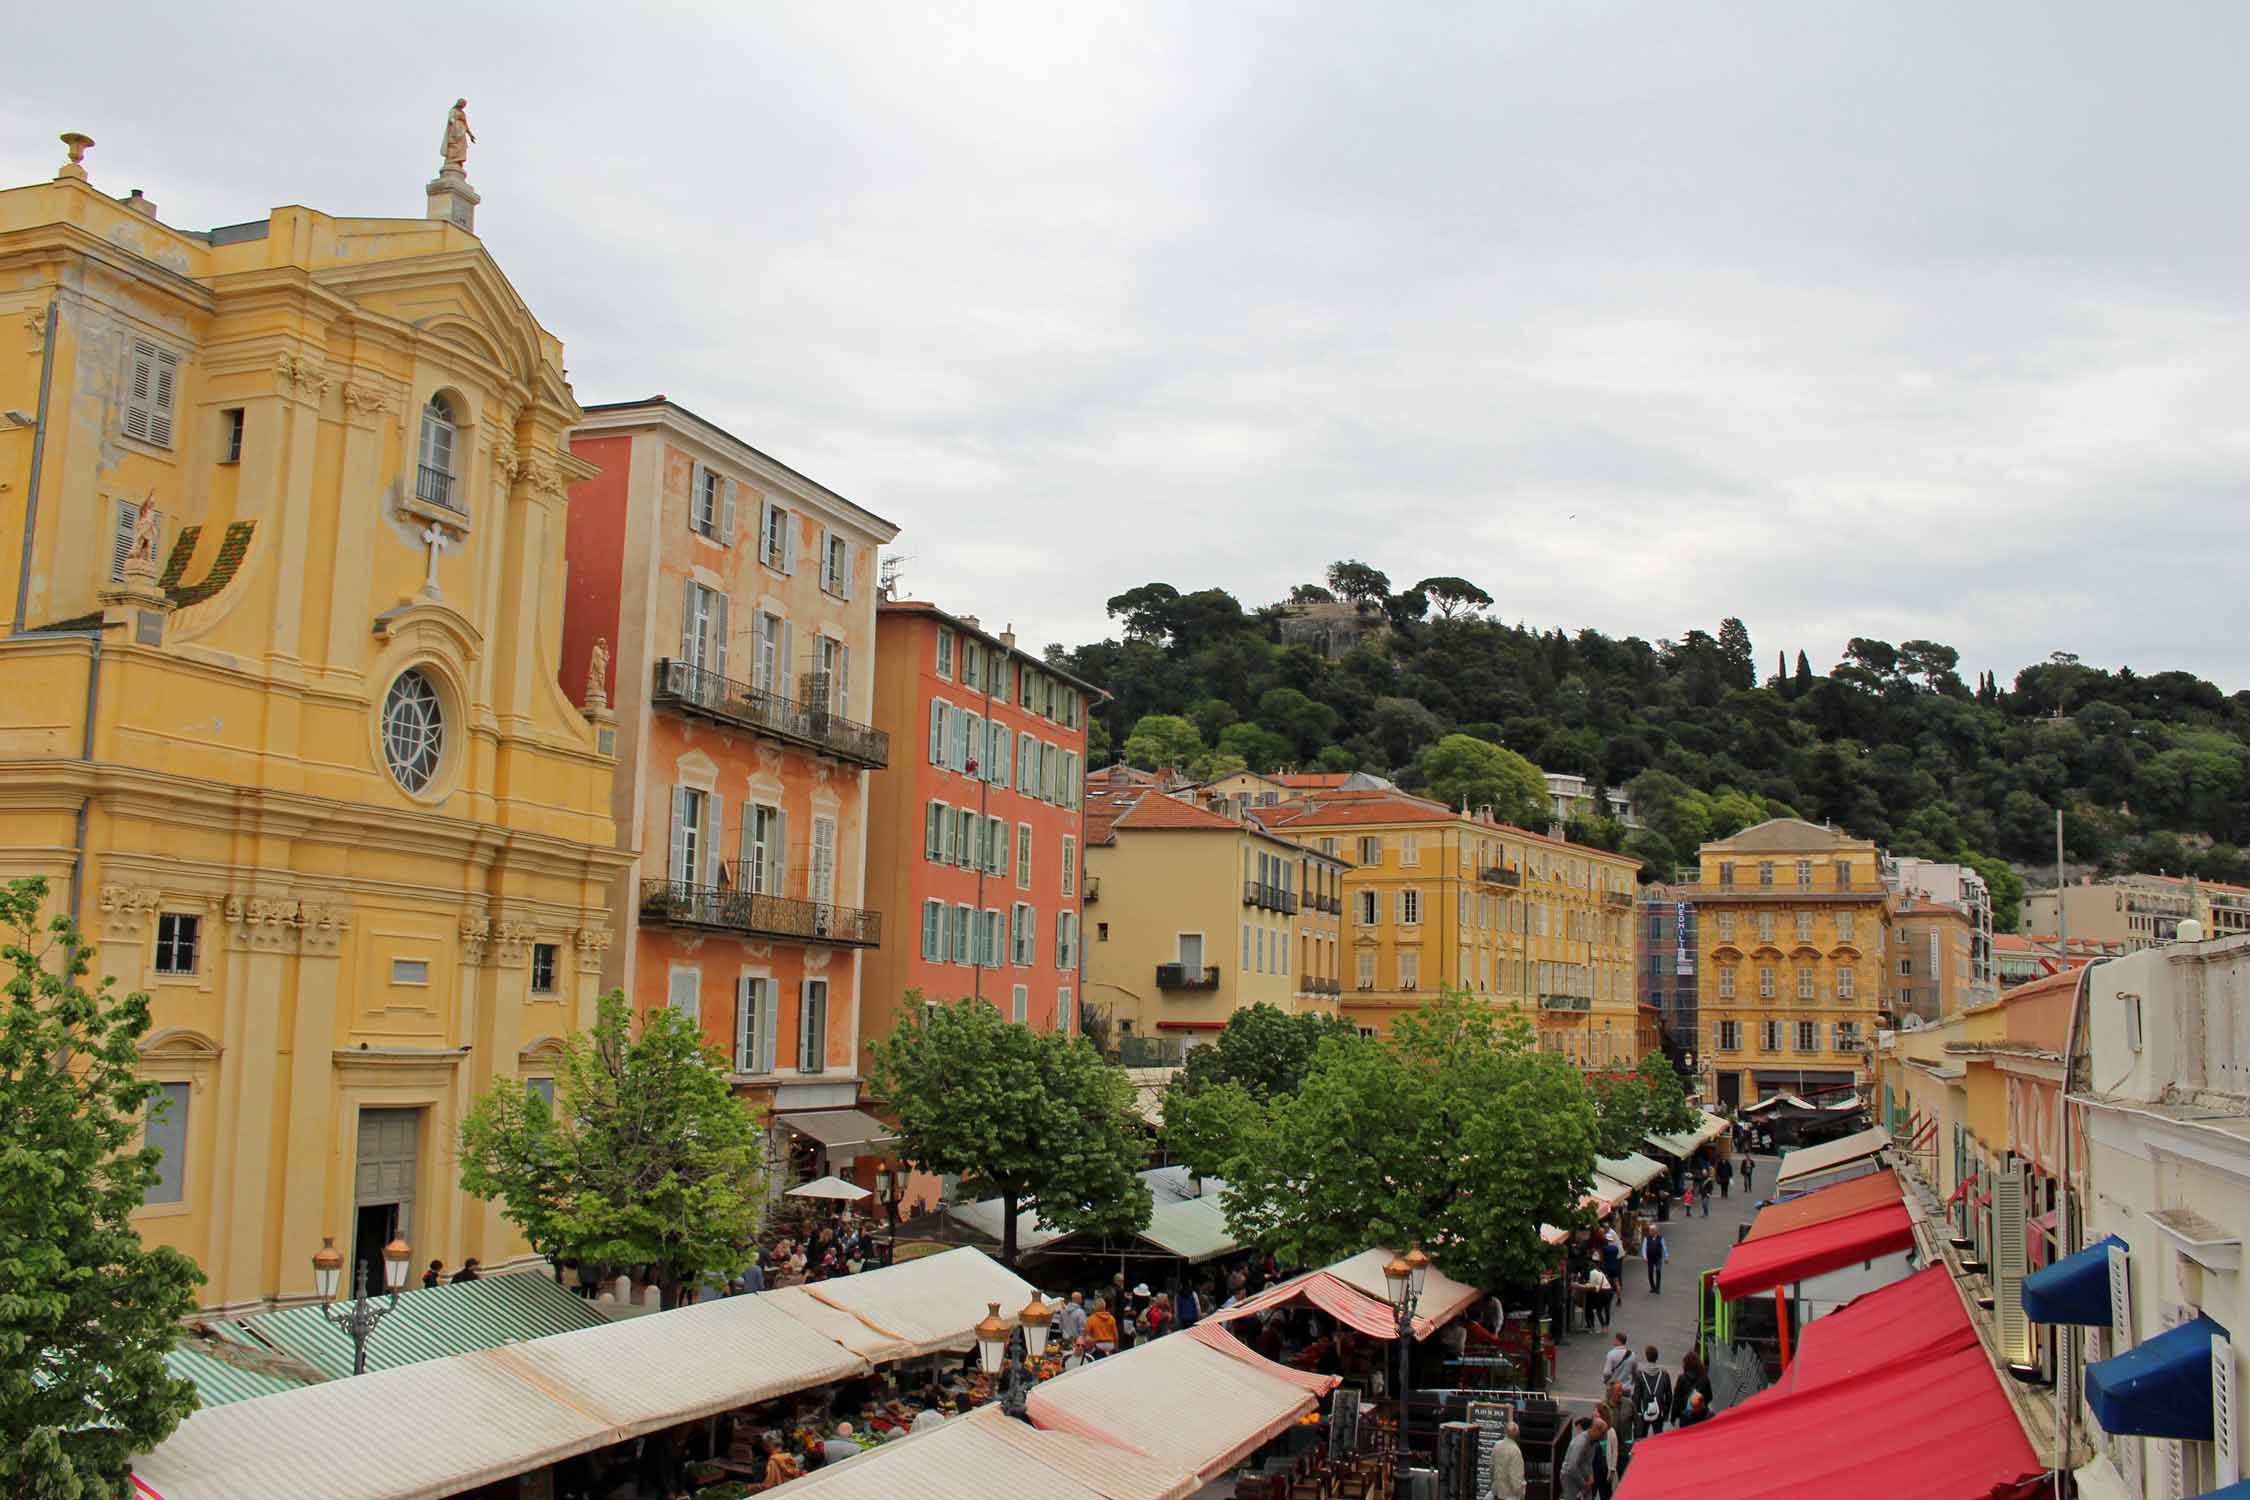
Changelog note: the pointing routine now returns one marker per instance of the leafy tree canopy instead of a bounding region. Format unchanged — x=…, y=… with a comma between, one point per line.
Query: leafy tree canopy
x=1358, y=582
x=646, y=1157
x=1460, y=770
x=1035, y=1119
x=88, y=1312
x=1452, y=596
x=1160, y=740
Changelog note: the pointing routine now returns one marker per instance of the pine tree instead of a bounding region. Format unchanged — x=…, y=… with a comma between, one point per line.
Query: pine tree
x=88, y=1312
x=1804, y=675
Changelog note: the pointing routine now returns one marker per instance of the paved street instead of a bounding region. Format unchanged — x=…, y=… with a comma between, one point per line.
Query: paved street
x=1666, y=1319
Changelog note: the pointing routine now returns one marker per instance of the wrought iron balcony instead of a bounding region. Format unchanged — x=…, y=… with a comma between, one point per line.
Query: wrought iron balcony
x=1621, y=900
x=435, y=487
x=1500, y=875
x=691, y=689
x=1268, y=895
x=1093, y=891
x=1566, y=1002
x=676, y=903
x=1187, y=977
x=1324, y=986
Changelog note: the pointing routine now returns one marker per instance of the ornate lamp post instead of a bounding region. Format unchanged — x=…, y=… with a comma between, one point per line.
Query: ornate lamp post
x=328, y=1272
x=887, y=1187
x=1403, y=1278
x=996, y=1351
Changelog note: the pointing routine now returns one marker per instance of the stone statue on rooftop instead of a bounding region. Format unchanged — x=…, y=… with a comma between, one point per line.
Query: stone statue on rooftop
x=458, y=137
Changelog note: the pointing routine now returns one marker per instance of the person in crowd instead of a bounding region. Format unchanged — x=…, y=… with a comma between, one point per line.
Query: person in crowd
x=753, y=1278
x=1070, y=1323
x=1608, y=1453
x=1613, y=1258
x=1101, y=1328
x=1652, y=1395
x=1160, y=1316
x=471, y=1270
x=1190, y=1310
x=930, y=1417
x=1698, y=1410
x=1726, y=1176
x=1617, y=1363
x=1595, y=1288
x=774, y=1459
x=1749, y=1173
x=1508, y=1481
x=435, y=1274
x=1692, y=1379
x=1653, y=1253
x=1705, y=1182
x=1575, y=1480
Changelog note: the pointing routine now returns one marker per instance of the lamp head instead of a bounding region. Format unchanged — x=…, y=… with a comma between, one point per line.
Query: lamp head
x=1417, y=1270
x=992, y=1340
x=397, y=1259
x=1035, y=1318
x=328, y=1269
x=1397, y=1277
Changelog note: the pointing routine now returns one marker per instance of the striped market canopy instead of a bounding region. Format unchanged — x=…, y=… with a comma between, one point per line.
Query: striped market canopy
x=217, y=1382
x=432, y=1322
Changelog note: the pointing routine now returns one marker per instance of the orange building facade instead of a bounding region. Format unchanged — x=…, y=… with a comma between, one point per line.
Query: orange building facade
x=724, y=607
x=977, y=835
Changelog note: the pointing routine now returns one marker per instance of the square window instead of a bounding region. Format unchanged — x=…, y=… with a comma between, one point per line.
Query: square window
x=543, y=956
x=410, y=971
x=178, y=942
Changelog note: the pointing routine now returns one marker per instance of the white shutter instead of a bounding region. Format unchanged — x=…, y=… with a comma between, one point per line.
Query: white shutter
x=821, y=553
x=726, y=513
x=2008, y=1264
x=780, y=855
x=844, y=681
x=824, y=860
x=2125, y=1449
x=2175, y=1451
x=121, y=545
x=744, y=1024
x=851, y=561
x=769, y=1024
x=677, y=869
x=714, y=831
x=765, y=531
x=783, y=684
x=686, y=994
x=719, y=625
x=695, y=497
x=788, y=542
x=746, y=854
x=688, y=632
x=2223, y=1452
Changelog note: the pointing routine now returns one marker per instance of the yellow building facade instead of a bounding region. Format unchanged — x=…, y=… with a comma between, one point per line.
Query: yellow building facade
x=1191, y=914
x=1792, y=930
x=1435, y=898
x=289, y=741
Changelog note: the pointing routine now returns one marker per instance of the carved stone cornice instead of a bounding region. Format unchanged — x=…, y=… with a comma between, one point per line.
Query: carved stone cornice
x=285, y=924
x=591, y=943
x=35, y=320
x=514, y=939
x=476, y=934
x=365, y=401
x=301, y=377
x=126, y=909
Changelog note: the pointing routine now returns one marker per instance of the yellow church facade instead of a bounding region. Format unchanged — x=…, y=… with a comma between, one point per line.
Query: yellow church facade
x=281, y=541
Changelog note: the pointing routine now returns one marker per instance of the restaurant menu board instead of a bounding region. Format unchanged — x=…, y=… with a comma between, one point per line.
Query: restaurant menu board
x=1491, y=1419
x=1343, y=1423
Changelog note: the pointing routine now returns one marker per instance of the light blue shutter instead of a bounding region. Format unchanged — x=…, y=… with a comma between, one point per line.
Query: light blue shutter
x=780, y=854
x=937, y=732
x=933, y=929
x=1001, y=869
x=726, y=514
x=745, y=1025
x=719, y=624
x=677, y=869
x=715, y=807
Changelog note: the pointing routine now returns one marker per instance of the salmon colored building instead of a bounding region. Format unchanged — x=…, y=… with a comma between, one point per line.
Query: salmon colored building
x=978, y=824
x=724, y=605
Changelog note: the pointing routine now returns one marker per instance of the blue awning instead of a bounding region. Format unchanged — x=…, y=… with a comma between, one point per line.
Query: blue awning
x=2161, y=1388
x=2074, y=1289
x=2239, y=1490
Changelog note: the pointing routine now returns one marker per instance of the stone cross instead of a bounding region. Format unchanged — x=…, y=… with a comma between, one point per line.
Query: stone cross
x=435, y=537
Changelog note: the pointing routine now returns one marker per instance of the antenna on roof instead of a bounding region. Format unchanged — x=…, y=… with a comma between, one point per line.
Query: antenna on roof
x=886, y=579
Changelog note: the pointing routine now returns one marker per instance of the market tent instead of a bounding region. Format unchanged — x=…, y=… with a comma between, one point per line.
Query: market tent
x=432, y=1322
x=1222, y=1338
x=838, y=1129
x=646, y=1373
x=218, y=1381
x=2074, y=1289
x=374, y=1437
x=830, y=1187
x=1604, y=1194
x=1831, y=1156
x=854, y=1333
x=985, y=1218
x=986, y=1453
x=1194, y=1229
x=1838, y=1201
x=1347, y=1304
x=929, y=1304
x=1921, y=1415
x=1760, y=1265
x=1632, y=1169
x=1443, y=1298
x=1794, y=1101
x=1177, y=1400
x=1682, y=1143
x=2158, y=1388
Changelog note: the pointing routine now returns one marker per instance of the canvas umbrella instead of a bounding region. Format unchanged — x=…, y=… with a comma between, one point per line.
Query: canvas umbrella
x=830, y=1187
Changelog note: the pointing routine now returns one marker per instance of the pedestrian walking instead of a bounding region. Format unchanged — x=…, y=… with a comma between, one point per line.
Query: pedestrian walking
x=1726, y=1176
x=1597, y=1291
x=1749, y=1172
x=1613, y=1259
x=1704, y=1184
x=1652, y=1395
x=1617, y=1363
x=1508, y=1481
x=1605, y=1451
x=435, y=1274
x=1691, y=1381
x=1654, y=1252
x=1576, y=1479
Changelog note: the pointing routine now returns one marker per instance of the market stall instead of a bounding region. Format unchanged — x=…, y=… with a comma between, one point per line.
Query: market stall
x=986, y=1454
x=1832, y=1161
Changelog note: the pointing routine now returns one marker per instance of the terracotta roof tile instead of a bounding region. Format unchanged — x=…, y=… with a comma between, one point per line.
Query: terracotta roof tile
x=1170, y=812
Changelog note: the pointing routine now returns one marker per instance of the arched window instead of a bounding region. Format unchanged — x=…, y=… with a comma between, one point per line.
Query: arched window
x=413, y=730
x=434, y=479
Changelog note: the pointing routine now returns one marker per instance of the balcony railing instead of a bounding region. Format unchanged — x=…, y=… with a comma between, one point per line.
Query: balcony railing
x=1268, y=895
x=1500, y=875
x=692, y=689
x=1324, y=986
x=679, y=904
x=434, y=487
x=1787, y=895
x=1566, y=1002
x=1621, y=900
x=1187, y=977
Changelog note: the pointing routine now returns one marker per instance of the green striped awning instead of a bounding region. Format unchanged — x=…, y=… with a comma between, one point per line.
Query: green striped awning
x=433, y=1322
x=217, y=1382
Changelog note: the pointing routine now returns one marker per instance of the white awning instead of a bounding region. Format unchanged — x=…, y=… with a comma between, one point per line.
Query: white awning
x=1177, y=1401
x=838, y=1128
x=1606, y=1193
x=1194, y=1229
x=929, y=1304
x=829, y=1187
x=983, y=1454
x=1682, y=1144
x=642, y=1374
x=986, y=1217
x=855, y=1334
x=1632, y=1169
x=1443, y=1298
x=427, y=1429
x=1810, y=1161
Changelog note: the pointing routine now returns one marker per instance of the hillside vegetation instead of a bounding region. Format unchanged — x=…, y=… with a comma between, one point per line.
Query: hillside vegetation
x=1891, y=743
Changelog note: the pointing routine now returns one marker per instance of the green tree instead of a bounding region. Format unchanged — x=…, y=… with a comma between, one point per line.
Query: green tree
x=1264, y=1049
x=2001, y=882
x=1259, y=747
x=1160, y=740
x=1460, y=769
x=1452, y=596
x=1361, y=584
x=646, y=1158
x=1206, y=1129
x=1455, y=1132
x=86, y=1311
x=1650, y=1098
x=1034, y=1119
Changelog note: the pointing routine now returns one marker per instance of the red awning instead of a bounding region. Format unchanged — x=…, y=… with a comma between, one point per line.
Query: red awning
x=1841, y=1201
x=1761, y=1265
x=1219, y=1337
x=1891, y=1396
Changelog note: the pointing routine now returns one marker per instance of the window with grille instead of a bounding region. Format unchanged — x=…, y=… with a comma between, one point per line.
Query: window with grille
x=1726, y=984
x=178, y=938
x=1804, y=984
x=434, y=473
x=1808, y=1036
x=413, y=730
x=1804, y=927
x=543, y=965
x=1730, y=1036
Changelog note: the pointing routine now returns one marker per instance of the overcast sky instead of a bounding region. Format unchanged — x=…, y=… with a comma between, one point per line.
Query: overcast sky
x=1885, y=319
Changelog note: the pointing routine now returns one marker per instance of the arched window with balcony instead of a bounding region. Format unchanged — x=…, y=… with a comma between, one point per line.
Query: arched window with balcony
x=436, y=480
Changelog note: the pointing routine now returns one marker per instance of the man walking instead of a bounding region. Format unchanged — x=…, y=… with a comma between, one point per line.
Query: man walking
x=1652, y=1395
x=1575, y=1481
x=1617, y=1364
x=1749, y=1172
x=1726, y=1176
x=1507, y=1466
x=1654, y=1251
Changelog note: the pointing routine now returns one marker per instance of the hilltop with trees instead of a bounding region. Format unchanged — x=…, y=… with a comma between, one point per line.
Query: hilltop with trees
x=1891, y=742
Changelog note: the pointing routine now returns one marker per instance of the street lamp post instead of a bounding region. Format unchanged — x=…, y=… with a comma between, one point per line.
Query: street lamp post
x=328, y=1272
x=996, y=1349
x=886, y=1198
x=1404, y=1278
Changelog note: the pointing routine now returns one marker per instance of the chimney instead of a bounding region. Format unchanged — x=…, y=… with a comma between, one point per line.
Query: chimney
x=970, y=621
x=139, y=204
x=1008, y=636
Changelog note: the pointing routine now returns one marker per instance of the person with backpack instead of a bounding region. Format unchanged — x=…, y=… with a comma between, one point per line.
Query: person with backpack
x=1652, y=1395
